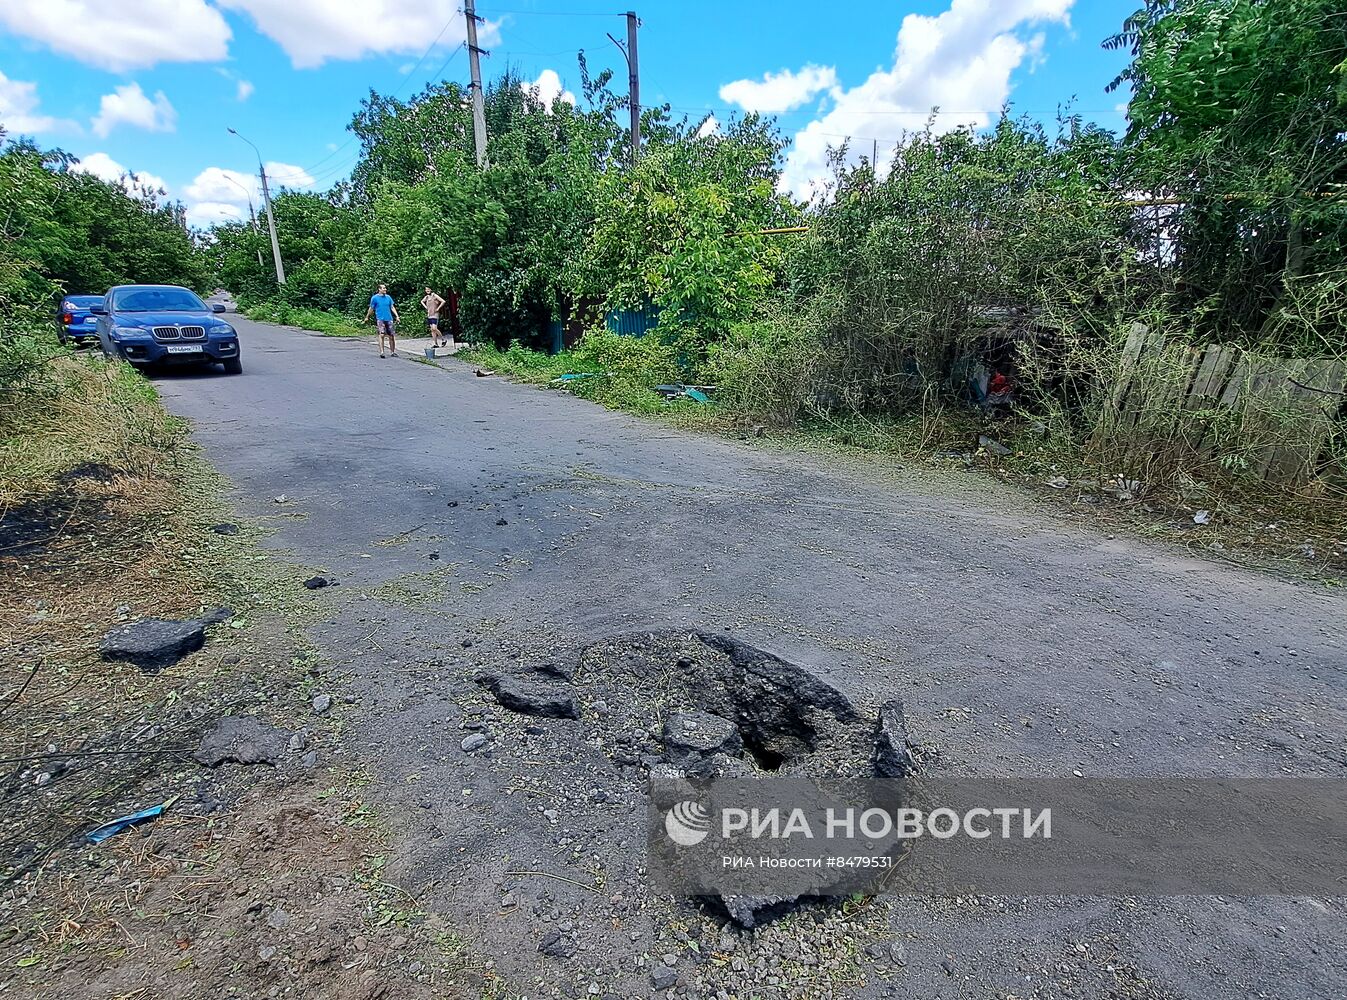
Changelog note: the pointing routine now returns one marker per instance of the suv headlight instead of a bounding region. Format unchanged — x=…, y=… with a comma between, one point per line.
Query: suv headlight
x=223, y=329
x=128, y=332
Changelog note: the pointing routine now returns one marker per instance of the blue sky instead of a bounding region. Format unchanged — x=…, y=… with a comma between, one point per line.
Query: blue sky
x=151, y=85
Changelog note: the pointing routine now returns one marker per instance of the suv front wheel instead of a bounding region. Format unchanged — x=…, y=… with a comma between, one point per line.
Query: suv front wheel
x=233, y=366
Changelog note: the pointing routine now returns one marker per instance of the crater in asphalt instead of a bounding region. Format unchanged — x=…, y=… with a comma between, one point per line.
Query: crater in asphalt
x=679, y=706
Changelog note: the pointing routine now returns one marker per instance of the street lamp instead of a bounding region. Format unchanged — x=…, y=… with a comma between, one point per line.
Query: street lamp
x=271, y=216
x=251, y=214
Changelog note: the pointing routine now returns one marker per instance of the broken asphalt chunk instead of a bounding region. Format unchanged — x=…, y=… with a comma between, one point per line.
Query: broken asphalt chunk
x=153, y=643
x=892, y=757
x=241, y=740
x=533, y=694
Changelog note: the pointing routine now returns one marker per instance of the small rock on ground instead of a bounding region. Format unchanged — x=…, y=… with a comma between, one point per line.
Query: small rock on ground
x=474, y=741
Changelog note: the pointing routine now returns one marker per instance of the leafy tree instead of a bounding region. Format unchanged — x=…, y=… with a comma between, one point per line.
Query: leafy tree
x=65, y=232
x=1239, y=114
x=683, y=228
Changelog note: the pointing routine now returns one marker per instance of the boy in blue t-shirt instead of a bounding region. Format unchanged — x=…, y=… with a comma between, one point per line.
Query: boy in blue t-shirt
x=386, y=317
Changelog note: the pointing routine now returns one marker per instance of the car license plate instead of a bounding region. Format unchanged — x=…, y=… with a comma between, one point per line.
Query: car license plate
x=183, y=349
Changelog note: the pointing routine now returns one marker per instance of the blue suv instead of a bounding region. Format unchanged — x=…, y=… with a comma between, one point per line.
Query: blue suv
x=165, y=324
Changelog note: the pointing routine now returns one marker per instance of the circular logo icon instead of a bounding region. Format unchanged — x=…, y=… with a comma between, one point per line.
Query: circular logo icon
x=687, y=823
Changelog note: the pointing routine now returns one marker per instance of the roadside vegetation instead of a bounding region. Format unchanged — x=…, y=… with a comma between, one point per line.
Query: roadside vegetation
x=108, y=516
x=318, y=320
x=1164, y=307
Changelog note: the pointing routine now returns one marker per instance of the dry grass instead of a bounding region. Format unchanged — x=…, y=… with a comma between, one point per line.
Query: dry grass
x=105, y=516
x=84, y=413
x=107, y=506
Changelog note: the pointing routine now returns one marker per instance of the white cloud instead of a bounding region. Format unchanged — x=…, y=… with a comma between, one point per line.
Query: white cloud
x=104, y=167
x=245, y=90
x=287, y=175
x=216, y=184
x=219, y=194
x=19, y=109
x=128, y=105
x=709, y=127
x=547, y=88
x=203, y=214
x=121, y=36
x=778, y=92
x=960, y=61
x=314, y=31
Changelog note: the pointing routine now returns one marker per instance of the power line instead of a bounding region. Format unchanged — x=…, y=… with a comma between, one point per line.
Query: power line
x=938, y=112
x=563, y=13
x=401, y=83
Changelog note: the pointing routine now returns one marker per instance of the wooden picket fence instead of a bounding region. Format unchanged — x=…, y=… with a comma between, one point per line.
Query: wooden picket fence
x=1275, y=416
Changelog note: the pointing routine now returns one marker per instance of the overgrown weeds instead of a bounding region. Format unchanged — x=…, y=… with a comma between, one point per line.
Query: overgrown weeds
x=330, y=324
x=618, y=372
x=81, y=412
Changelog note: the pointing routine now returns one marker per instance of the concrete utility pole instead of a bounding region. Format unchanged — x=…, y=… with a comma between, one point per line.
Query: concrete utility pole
x=633, y=81
x=271, y=225
x=271, y=215
x=634, y=85
x=478, y=98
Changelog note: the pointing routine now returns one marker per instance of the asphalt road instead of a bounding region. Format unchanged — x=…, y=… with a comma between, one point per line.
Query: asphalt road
x=452, y=507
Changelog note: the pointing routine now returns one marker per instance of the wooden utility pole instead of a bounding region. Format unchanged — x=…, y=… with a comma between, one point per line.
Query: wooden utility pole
x=478, y=98
x=634, y=85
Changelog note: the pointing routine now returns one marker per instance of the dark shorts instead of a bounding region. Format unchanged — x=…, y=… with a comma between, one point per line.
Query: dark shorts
x=432, y=321
x=385, y=327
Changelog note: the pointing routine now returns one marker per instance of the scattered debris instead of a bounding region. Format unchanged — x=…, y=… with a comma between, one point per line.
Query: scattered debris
x=700, y=734
x=473, y=741
x=695, y=393
x=321, y=703
x=1202, y=517
x=892, y=757
x=484, y=373
x=664, y=978
x=116, y=826
x=1059, y=482
x=317, y=583
x=226, y=528
x=1126, y=489
x=153, y=643
x=241, y=740
x=993, y=447
x=501, y=522
x=556, y=945
x=282, y=499
x=533, y=694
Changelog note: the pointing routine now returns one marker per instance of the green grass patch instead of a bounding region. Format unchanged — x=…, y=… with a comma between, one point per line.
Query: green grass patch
x=615, y=371
x=329, y=324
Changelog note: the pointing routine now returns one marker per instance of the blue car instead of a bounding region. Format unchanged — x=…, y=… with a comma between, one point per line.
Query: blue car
x=164, y=324
x=75, y=320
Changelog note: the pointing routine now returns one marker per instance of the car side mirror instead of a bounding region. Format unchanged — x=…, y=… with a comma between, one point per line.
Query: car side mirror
x=217, y=307
x=99, y=310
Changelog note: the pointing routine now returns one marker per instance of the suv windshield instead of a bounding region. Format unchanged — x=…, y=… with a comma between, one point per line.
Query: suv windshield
x=157, y=300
